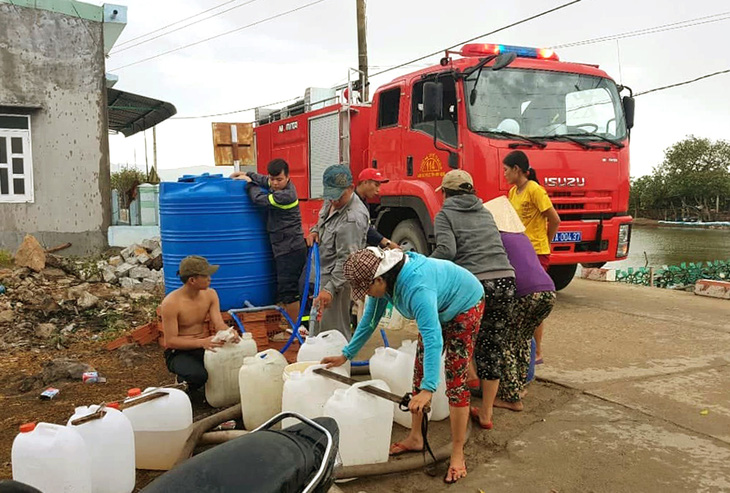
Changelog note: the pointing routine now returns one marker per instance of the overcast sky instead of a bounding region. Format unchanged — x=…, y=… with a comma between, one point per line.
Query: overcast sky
x=314, y=47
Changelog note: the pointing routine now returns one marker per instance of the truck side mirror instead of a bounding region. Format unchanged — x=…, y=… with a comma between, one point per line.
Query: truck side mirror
x=629, y=104
x=453, y=160
x=503, y=60
x=433, y=101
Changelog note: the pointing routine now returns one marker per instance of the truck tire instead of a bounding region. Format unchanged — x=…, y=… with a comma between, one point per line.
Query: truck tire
x=562, y=274
x=409, y=235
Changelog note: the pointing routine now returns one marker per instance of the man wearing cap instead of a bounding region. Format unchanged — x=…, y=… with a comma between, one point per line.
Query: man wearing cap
x=341, y=229
x=368, y=187
x=184, y=311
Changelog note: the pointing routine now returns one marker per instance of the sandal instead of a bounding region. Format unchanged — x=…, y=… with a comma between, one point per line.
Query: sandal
x=398, y=449
x=474, y=413
x=456, y=474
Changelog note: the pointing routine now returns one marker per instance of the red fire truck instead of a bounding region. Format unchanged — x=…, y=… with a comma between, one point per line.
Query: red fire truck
x=468, y=112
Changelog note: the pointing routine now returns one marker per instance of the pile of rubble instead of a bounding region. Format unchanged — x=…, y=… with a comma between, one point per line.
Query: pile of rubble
x=136, y=267
x=49, y=301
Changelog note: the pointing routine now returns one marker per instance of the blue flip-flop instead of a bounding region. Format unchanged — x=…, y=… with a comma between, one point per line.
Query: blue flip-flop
x=538, y=361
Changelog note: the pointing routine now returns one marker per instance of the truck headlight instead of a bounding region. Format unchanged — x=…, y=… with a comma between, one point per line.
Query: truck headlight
x=624, y=237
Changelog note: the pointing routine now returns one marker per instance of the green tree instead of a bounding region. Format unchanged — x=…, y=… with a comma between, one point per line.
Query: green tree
x=125, y=182
x=696, y=173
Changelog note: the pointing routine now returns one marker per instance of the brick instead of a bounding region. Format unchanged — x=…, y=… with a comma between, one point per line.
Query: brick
x=713, y=289
x=595, y=274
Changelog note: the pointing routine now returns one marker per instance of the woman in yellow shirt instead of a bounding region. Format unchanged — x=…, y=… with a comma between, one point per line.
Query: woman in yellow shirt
x=536, y=211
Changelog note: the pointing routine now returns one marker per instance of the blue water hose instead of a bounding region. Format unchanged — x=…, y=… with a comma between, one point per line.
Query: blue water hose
x=312, y=257
x=313, y=254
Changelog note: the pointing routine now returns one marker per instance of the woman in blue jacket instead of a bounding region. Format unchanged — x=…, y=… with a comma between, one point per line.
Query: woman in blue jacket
x=447, y=303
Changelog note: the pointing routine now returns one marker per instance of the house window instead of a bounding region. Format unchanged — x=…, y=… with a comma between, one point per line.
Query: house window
x=16, y=167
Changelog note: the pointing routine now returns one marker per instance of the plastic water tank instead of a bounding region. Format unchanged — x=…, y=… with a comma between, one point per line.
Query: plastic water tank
x=214, y=217
x=439, y=401
x=161, y=426
x=306, y=392
x=52, y=458
x=223, y=365
x=327, y=343
x=261, y=384
x=365, y=423
x=110, y=441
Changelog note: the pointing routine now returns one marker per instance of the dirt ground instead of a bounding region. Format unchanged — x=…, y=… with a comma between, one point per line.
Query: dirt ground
x=483, y=445
x=17, y=408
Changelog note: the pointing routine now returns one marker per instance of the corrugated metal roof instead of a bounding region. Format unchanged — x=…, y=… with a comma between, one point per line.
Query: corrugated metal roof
x=131, y=113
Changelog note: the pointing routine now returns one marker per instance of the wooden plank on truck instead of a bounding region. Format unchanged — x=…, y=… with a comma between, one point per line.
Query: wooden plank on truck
x=224, y=148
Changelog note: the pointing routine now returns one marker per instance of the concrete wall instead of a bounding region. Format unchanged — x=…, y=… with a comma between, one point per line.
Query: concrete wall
x=56, y=62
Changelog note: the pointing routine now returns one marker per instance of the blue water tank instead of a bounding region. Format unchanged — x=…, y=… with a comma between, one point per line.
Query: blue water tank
x=214, y=217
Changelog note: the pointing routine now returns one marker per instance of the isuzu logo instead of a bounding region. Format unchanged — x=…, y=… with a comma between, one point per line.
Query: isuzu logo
x=565, y=182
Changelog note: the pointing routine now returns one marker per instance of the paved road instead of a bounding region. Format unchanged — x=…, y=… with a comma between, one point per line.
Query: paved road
x=645, y=405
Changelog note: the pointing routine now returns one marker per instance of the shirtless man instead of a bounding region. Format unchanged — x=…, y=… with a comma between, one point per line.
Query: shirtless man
x=183, y=316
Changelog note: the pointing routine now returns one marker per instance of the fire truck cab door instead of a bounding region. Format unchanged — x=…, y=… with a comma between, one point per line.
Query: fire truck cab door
x=386, y=140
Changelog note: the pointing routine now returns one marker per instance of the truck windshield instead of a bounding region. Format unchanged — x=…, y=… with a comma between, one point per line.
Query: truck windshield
x=537, y=103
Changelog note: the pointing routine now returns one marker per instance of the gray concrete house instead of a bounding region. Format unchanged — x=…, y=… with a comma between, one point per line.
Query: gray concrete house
x=55, y=118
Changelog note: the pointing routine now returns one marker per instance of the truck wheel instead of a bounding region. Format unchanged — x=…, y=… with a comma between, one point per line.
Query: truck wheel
x=409, y=235
x=562, y=275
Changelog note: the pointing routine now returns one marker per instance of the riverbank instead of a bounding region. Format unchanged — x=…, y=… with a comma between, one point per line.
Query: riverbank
x=653, y=223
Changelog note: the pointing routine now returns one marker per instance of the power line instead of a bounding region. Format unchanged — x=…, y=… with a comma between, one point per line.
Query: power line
x=408, y=63
x=174, y=23
x=234, y=111
x=527, y=19
x=650, y=30
x=684, y=83
x=276, y=16
x=183, y=27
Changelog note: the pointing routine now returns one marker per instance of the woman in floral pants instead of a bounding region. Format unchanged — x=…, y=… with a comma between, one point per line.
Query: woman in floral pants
x=447, y=303
x=535, y=301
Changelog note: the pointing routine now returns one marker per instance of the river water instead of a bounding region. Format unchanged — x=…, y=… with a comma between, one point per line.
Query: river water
x=672, y=246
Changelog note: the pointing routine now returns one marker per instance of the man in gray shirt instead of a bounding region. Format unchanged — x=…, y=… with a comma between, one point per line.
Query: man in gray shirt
x=341, y=230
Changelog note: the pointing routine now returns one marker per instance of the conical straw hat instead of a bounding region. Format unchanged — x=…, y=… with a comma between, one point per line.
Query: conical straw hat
x=505, y=215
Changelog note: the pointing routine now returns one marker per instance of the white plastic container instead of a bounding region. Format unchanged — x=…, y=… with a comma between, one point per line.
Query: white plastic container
x=223, y=365
x=327, y=343
x=261, y=385
x=306, y=392
x=161, y=427
x=299, y=366
x=395, y=367
x=110, y=441
x=52, y=458
x=365, y=423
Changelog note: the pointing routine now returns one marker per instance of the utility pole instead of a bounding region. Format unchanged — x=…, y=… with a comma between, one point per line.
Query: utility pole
x=362, y=48
x=146, y=158
x=154, y=147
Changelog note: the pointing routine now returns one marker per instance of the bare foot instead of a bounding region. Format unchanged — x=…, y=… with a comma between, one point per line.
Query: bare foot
x=523, y=393
x=512, y=406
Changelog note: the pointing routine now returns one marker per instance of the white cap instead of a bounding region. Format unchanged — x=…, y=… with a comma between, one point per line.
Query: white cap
x=388, y=259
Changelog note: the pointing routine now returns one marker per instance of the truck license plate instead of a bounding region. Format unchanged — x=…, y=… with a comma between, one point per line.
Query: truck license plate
x=567, y=237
